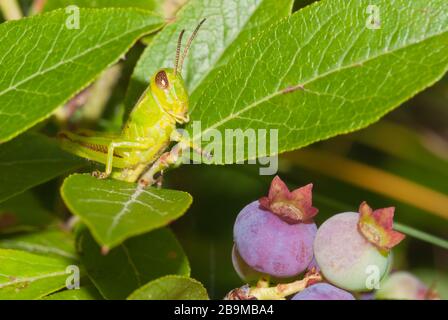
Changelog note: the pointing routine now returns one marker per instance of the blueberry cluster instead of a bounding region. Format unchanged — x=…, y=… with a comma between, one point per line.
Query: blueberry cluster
x=276, y=237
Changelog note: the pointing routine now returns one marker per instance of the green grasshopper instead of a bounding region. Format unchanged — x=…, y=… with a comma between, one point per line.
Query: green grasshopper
x=148, y=132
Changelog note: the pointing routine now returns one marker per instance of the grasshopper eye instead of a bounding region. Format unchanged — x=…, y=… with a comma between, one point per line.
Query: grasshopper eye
x=162, y=80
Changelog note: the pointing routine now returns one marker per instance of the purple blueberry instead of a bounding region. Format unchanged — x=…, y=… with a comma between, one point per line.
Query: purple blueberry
x=275, y=234
x=323, y=291
x=244, y=271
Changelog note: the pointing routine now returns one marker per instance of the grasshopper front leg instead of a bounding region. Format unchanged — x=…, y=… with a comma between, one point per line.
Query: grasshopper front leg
x=170, y=158
x=166, y=160
x=185, y=143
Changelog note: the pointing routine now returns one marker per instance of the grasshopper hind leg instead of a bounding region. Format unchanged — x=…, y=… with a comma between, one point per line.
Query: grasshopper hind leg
x=111, y=150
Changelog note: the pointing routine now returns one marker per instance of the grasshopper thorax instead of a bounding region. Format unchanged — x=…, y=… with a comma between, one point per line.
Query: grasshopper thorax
x=169, y=90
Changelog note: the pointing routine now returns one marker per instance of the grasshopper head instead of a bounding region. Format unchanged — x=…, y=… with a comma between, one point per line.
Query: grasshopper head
x=169, y=87
x=169, y=90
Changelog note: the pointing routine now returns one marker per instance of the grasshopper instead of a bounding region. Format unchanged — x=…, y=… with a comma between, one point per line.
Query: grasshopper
x=147, y=133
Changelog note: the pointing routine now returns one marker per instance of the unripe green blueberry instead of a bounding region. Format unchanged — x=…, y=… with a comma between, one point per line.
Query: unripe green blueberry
x=344, y=256
x=353, y=249
x=403, y=285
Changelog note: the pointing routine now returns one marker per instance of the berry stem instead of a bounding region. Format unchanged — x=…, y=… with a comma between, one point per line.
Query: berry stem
x=281, y=291
x=263, y=282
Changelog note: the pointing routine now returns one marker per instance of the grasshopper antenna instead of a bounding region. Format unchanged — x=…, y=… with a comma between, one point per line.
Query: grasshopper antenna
x=179, y=44
x=193, y=35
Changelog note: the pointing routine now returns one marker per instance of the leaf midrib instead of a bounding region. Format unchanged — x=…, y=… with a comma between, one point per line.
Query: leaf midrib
x=132, y=264
x=36, y=248
x=307, y=82
x=32, y=279
x=108, y=241
x=35, y=161
x=72, y=59
x=124, y=210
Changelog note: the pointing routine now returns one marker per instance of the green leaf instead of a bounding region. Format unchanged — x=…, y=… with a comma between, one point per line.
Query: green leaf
x=230, y=23
x=43, y=62
x=86, y=292
x=115, y=210
x=26, y=276
x=132, y=264
x=322, y=72
x=23, y=213
x=50, y=242
x=30, y=160
x=152, y=5
x=171, y=288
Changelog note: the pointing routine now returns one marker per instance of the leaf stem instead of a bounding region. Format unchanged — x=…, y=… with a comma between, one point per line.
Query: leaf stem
x=10, y=9
x=421, y=235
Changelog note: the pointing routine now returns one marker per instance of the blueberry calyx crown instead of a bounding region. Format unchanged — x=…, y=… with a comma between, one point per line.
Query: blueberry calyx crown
x=376, y=226
x=292, y=207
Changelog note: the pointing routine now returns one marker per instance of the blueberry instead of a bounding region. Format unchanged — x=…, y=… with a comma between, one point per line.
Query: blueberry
x=275, y=235
x=353, y=249
x=323, y=291
x=244, y=271
x=403, y=285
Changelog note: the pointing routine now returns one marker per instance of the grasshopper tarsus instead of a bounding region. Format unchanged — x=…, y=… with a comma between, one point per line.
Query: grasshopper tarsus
x=100, y=175
x=143, y=183
x=159, y=180
x=95, y=174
